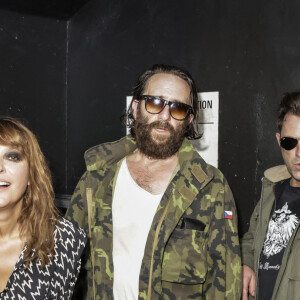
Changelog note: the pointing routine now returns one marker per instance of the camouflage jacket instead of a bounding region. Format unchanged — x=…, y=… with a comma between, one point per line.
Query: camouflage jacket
x=192, y=251
x=287, y=282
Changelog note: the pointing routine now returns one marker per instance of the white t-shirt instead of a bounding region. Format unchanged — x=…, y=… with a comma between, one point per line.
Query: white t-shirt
x=133, y=210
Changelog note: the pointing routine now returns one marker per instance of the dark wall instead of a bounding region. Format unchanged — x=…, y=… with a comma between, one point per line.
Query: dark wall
x=246, y=50
x=33, y=79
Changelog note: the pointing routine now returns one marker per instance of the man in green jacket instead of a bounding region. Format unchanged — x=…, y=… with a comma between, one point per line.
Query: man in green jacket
x=162, y=223
x=271, y=247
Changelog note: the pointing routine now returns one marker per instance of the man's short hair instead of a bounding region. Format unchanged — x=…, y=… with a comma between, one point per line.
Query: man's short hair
x=192, y=129
x=289, y=104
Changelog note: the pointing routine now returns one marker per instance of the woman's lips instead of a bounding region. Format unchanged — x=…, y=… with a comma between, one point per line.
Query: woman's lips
x=4, y=185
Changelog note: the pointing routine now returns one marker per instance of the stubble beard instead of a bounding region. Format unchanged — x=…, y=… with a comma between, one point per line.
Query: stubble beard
x=158, y=147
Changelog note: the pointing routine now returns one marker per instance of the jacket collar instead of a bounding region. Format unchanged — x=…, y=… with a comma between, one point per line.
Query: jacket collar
x=197, y=177
x=277, y=173
x=109, y=154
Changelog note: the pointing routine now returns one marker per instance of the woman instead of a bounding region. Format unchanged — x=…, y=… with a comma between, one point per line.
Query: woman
x=39, y=251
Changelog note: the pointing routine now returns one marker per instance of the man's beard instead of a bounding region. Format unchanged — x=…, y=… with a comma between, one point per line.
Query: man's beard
x=158, y=147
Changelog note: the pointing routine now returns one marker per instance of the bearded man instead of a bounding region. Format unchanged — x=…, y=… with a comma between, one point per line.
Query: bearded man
x=162, y=223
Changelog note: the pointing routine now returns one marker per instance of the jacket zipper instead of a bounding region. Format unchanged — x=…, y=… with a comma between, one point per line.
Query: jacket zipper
x=155, y=241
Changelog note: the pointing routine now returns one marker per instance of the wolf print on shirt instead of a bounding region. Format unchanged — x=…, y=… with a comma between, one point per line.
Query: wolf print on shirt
x=281, y=228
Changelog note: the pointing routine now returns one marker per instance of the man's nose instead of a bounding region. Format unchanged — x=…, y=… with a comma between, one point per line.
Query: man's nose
x=165, y=113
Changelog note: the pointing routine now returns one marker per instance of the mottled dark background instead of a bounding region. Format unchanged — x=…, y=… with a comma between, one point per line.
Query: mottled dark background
x=67, y=66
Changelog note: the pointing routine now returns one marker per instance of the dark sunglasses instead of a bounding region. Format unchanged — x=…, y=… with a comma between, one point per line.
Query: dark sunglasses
x=155, y=105
x=288, y=143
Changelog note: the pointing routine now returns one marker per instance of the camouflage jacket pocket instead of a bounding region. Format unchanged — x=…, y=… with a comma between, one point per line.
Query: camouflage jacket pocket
x=184, y=259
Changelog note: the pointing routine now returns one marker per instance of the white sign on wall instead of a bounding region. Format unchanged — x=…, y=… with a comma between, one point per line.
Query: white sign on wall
x=208, y=123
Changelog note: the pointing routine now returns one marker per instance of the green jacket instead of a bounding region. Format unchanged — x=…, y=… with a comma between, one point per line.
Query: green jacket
x=287, y=285
x=178, y=263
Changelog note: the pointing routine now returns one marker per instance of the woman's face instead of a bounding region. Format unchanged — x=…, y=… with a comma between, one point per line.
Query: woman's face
x=14, y=176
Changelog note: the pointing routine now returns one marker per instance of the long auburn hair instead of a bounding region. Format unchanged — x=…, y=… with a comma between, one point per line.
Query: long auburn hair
x=38, y=215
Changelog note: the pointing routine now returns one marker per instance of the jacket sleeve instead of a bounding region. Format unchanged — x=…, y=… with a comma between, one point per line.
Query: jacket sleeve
x=77, y=211
x=233, y=283
x=247, y=242
x=224, y=258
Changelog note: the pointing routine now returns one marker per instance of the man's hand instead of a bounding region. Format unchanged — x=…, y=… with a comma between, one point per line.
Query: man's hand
x=248, y=282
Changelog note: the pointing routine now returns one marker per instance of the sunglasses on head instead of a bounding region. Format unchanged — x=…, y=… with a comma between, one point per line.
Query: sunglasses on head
x=288, y=143
x=155, y=105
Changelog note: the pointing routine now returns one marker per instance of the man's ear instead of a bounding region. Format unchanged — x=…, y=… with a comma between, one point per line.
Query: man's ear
x=278, y=138
x=134, y=107
x=190, y=119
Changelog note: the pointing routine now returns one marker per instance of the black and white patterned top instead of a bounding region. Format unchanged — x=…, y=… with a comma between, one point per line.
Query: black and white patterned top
x=57, y=279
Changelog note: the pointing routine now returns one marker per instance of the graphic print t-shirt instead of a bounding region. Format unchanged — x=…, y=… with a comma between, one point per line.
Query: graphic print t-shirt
x=281, y=227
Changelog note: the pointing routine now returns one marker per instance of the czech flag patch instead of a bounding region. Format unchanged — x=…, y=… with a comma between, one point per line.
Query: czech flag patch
x=228, y=214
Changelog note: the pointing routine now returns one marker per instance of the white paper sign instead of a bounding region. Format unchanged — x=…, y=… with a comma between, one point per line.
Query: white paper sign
x=208, y=123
